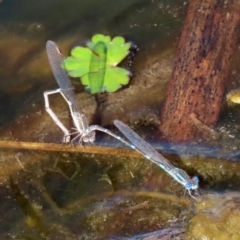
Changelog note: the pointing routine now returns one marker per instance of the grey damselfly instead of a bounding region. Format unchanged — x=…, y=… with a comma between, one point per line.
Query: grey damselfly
x=83, y=131
x=151, y=154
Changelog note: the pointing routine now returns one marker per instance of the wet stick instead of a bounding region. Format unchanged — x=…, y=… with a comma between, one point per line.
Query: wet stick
x=93, y=149
x=201, y=68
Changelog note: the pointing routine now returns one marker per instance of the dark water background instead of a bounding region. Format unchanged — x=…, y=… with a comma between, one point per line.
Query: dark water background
x=39, y=200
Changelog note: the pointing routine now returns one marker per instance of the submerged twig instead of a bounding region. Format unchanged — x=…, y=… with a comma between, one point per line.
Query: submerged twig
x=136, y=207
x=125, y=193
x=94, y=149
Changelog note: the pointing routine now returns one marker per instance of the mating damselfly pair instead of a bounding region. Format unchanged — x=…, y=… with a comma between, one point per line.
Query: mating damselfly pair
x=86, y=133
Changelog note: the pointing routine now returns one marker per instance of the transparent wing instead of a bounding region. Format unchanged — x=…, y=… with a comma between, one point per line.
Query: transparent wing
x=143, y=147
x=151, y=154
x=97, y=67
x=56, y=60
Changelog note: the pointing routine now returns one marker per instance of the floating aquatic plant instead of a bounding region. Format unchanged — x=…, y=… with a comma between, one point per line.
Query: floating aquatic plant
x=96, y=64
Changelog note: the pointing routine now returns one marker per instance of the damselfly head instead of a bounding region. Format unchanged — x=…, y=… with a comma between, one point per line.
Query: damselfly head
x=193, y=184
x=89, y=137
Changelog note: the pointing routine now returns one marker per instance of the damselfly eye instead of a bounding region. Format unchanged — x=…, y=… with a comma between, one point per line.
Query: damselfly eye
x=89, y=137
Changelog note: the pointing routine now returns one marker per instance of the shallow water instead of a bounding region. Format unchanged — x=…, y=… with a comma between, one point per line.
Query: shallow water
x=91, y=196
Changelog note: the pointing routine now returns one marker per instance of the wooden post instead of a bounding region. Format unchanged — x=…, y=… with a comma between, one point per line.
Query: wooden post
x=201, y=68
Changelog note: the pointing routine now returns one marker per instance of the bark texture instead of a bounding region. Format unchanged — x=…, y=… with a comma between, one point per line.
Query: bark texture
x=201, y=68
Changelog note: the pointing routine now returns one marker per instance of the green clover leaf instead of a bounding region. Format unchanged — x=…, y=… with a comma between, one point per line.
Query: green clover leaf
x=115, y=78
x=96, y=64
x=78, y=64
x=100, y=38
x=117, y=51
x=94, y=81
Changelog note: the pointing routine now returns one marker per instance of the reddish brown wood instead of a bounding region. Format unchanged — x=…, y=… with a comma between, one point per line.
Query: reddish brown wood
x=201, y=67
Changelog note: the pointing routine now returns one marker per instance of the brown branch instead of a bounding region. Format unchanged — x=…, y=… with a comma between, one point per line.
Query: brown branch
x=69, y=148
x=203, y=128
x=201, y=68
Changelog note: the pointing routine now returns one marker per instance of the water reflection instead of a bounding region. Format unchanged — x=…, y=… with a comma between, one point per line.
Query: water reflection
x=93, y=197
x=104, y=198
x=99, y=200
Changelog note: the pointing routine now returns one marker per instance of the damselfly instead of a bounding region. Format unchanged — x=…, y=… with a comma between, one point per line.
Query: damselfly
x=151, y=154
x=86, y=133
x=83, y=131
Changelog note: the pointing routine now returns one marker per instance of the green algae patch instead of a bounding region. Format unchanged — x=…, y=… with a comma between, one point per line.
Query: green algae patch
x=213, y=171
x=218, y=218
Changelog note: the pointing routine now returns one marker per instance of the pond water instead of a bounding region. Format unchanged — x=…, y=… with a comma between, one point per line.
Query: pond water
x=109, y=193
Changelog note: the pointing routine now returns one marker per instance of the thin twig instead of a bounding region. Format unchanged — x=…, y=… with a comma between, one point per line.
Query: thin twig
x=94, y=149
